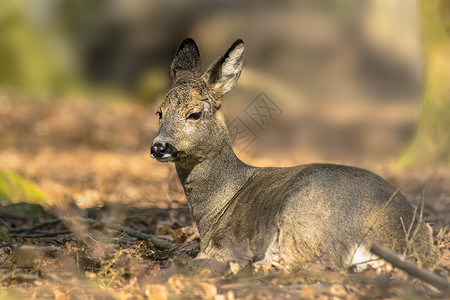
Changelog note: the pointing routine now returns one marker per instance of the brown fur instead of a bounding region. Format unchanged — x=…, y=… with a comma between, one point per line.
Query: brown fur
x=254, y=214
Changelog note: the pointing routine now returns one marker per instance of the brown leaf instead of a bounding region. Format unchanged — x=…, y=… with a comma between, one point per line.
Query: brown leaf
x=307, y=291
x=156, y=292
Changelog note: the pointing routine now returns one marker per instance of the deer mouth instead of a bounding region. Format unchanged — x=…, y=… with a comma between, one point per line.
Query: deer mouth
x=165, y=158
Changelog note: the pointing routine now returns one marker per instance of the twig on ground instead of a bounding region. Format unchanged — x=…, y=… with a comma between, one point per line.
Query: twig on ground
x=37, y=226
x=27, y=231
x=410, y=268
x=361, y=263
x=5, y=224
x=15, y=217
x=131, y=232
x=40, y=234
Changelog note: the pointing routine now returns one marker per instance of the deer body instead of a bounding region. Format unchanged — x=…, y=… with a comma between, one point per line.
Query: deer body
x=245, y=213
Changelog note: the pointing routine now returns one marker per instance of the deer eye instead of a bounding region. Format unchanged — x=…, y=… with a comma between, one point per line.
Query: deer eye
x=159, y=113
x=194, y=116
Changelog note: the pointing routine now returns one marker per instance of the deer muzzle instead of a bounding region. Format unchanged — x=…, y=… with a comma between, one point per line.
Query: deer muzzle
x=163, y=152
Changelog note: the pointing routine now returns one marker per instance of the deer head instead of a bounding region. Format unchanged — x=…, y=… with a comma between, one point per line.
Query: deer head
x=191, y=124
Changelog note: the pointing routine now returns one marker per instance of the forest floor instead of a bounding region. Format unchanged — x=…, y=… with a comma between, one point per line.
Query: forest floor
x=91, y=160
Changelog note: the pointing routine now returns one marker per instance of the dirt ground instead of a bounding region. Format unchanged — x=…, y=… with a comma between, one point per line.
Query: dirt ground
x=91, y=160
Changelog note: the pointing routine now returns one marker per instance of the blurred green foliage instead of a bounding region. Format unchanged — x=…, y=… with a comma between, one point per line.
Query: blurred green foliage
x=27, y=61
x=6, y=237
x=15, y=189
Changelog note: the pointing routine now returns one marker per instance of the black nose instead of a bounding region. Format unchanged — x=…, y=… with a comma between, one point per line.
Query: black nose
x=158, y=150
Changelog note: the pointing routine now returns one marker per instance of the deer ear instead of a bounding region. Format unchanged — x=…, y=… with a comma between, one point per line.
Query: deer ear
x=186, y=61
x=224, y=73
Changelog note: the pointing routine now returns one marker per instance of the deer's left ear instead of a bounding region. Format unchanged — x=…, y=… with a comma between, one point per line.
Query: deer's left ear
x=222, y=75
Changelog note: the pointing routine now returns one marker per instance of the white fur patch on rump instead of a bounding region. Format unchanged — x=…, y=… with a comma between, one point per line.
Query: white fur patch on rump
x=363, y=258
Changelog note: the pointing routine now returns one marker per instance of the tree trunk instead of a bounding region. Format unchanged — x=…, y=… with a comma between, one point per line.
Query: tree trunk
x=431, y=144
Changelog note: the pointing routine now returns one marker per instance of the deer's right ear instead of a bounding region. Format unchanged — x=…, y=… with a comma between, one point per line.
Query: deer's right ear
x=186, y=61
x=224, y=73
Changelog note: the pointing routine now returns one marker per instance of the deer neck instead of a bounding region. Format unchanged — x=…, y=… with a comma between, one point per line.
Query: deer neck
x=212, y=183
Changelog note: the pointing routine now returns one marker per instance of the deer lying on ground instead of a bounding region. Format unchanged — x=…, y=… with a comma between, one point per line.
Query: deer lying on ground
x=293, y=215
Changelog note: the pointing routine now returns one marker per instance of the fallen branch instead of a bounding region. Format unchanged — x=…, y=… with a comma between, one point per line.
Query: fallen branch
x=5, y=224
x=37, y=226
x=161, y=244
x=410, y=268
x=15, y=217
x=40, y=234
x=33, y=232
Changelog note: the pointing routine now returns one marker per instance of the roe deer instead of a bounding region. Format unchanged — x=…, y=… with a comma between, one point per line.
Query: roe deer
x=244, y=213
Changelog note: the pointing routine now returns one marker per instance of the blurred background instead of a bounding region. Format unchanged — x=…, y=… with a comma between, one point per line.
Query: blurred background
x=357, y=63
x=348, y=78
x=315, y=46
